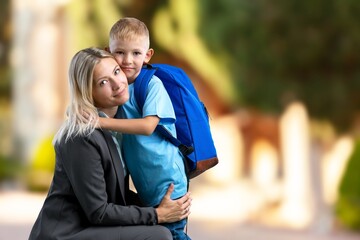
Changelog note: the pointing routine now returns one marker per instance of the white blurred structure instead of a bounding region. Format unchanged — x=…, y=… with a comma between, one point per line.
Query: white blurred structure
x=39, y=72
x=294, y=186
x=229, y=145
x=298, y=202
x=333, y=167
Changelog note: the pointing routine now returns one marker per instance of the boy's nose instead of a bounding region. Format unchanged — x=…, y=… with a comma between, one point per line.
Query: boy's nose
x=127, y=58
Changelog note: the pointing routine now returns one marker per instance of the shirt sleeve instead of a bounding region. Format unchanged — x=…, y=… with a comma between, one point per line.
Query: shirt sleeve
x=158, y=102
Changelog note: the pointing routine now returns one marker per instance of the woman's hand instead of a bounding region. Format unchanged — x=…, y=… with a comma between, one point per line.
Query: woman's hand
x=173, y=210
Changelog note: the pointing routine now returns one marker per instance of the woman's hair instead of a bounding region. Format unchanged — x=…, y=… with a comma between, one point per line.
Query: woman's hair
x=81, y=112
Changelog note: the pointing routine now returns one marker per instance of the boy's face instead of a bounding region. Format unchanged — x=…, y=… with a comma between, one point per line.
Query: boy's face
x=110, y=87
x=131, y=55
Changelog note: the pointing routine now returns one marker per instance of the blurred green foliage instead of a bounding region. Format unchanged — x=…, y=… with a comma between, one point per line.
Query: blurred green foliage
x=5, y=43
x=348, y=203
x=276, y=51
x=289, y=50
x=91, y=20
x=9, y=168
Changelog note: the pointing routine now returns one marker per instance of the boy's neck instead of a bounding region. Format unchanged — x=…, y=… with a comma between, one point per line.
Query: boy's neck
x=130, y=81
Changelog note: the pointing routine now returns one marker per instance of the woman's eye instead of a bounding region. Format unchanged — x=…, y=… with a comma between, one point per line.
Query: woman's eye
x=102, y=82
x=117, y=71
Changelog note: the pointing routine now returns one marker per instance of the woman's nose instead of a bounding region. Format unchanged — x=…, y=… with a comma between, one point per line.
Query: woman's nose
x=115, y=85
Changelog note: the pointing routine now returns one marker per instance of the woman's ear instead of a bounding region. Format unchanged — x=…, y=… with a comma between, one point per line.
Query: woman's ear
x=149, y=54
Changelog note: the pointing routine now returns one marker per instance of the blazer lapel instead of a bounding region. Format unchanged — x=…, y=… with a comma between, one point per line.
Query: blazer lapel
x=116, y=161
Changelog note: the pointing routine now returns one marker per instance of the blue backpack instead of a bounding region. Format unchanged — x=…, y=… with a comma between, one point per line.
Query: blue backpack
x=194, y=138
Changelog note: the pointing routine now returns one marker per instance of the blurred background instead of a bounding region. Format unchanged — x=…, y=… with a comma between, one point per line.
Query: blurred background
x=281, y=82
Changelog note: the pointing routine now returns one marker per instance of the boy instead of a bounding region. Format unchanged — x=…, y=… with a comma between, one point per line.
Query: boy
x=153, y=162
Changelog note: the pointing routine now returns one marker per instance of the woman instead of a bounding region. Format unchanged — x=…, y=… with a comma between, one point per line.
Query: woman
x=89, y=197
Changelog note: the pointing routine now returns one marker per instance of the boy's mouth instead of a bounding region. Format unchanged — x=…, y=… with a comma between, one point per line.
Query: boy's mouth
x=126, y=68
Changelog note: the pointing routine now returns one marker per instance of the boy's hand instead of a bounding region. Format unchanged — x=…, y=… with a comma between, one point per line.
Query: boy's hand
x=87, y=118
x=86, y=115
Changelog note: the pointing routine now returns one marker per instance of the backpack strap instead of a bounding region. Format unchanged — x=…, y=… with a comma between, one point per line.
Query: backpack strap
x=141, y=84
x=140, y=87
x=185, y=150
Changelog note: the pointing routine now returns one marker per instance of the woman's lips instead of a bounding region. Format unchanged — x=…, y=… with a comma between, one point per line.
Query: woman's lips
x=120, y=92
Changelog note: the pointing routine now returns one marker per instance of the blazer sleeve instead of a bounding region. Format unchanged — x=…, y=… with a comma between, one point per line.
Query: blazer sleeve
x=83, y=163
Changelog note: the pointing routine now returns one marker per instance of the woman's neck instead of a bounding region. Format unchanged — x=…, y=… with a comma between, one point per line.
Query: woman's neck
x=110, y=112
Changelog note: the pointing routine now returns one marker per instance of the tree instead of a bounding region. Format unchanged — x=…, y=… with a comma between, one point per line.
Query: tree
x=287, y=49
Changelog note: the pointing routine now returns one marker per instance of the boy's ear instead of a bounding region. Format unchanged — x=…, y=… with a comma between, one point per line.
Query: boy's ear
x=149, y=54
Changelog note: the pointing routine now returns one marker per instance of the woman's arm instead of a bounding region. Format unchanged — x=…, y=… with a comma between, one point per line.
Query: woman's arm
x=86, y=162
x=173, y=210
x=140, y=126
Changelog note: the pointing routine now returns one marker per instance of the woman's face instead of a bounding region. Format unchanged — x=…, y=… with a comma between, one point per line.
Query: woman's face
x=110, y=87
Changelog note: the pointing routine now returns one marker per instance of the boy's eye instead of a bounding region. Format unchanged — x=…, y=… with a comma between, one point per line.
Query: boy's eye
x=137, y=53
x=119, y=53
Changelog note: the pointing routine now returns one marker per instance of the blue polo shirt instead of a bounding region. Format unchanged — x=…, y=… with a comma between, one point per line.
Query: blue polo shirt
x=153, y=162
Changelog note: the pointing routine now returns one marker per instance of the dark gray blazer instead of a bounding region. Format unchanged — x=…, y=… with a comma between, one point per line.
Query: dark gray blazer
x=89, y=195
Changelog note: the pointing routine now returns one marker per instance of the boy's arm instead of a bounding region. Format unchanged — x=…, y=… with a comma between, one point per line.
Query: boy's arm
x=140, y=126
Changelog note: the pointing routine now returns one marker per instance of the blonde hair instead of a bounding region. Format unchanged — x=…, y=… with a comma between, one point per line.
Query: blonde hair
x=81, y=72
x=129, y=28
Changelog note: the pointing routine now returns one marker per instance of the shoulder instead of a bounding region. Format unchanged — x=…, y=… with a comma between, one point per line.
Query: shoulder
x=156, y=86
x=155, y=81
x=95, y=138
